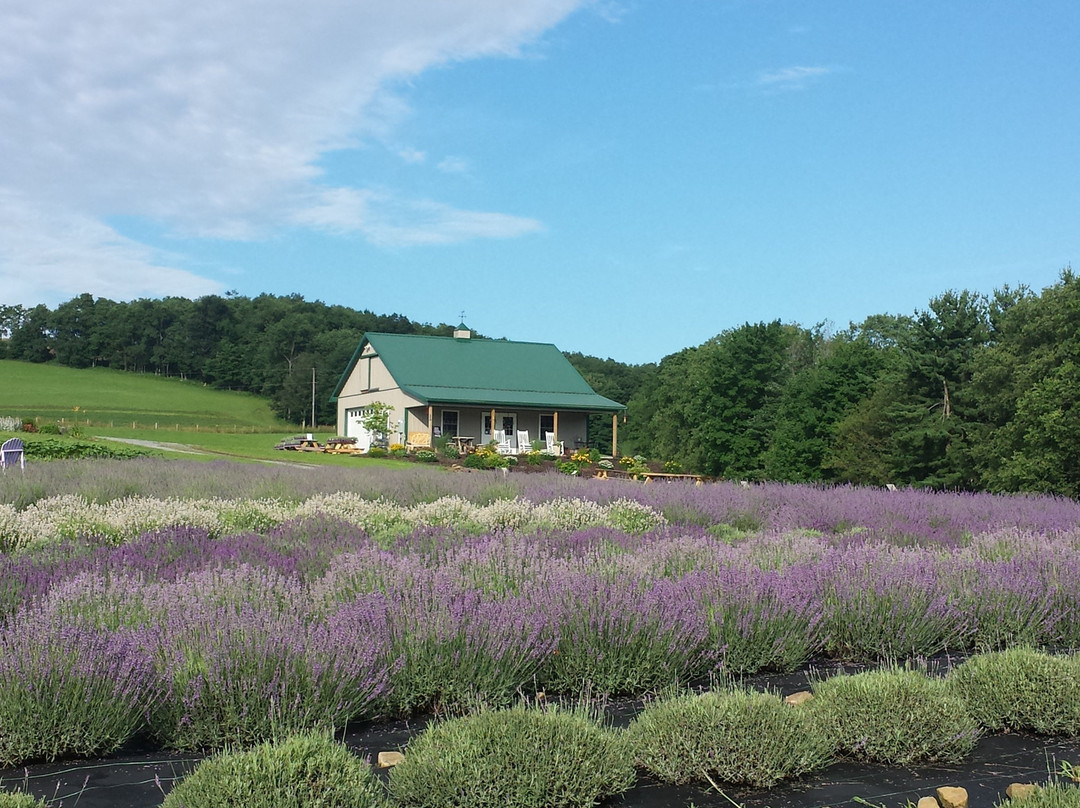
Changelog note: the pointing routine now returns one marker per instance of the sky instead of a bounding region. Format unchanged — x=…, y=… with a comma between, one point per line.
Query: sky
x=623, y=178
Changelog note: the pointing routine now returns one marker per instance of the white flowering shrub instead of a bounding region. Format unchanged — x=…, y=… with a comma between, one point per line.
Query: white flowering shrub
x=69, y=516
x=9, y=423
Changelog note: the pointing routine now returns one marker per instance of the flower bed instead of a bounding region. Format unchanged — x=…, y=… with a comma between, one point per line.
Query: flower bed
x=252, y=617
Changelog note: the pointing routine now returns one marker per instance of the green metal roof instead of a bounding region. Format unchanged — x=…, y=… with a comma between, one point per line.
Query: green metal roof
x=482, y=372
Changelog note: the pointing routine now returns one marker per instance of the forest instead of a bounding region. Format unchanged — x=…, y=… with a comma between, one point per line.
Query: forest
x=975, y=392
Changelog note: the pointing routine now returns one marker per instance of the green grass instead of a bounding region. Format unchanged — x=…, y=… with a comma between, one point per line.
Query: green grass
x=100, y=396
x=113, y=404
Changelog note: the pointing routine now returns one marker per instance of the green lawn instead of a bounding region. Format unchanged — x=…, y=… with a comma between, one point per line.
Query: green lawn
x=103, y=397
x=237, y=445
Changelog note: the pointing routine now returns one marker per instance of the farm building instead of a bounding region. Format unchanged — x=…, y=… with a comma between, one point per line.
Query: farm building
x=468, y=388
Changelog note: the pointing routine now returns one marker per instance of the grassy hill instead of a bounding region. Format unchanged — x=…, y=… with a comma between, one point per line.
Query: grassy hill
x=111, y=398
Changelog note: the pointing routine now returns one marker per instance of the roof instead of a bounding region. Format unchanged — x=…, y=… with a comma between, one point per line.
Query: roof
x=482, y=372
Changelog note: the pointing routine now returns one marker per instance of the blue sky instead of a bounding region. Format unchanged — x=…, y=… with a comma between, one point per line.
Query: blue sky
x=624, y=179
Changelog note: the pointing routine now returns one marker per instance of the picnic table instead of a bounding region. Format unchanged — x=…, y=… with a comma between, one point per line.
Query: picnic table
x=300, y=443
x=464, y=443
x=340, y=446
x=648, y=476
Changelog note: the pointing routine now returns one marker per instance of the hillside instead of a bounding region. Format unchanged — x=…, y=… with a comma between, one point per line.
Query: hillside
x=50, y=393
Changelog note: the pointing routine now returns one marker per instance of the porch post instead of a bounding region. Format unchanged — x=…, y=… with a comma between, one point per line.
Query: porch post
x=492, y=433
x=614, y=434
x=430, y=422
x=555, y=424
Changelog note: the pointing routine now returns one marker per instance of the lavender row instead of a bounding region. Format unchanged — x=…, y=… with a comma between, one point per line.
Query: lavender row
x=316, y=624
x=903, y=517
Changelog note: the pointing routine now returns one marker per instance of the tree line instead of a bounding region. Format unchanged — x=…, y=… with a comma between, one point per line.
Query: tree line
x=267, y=345
x=976, y=392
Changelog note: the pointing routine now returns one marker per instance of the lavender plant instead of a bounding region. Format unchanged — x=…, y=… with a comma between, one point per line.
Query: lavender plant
x=894, y=716
x=301, y=771
x=1021, y=689
x=517, y=758
x=741, y=738
x=69, y=689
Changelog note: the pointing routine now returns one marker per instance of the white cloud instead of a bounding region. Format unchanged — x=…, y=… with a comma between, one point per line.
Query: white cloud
x=791, y=78
x=454, y=165
x=414, y=156
x=210, y=118
x=389, y=221
x=50, y=256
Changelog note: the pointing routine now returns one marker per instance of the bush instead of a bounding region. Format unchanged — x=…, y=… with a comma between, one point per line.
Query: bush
x=68, y=690
x=1052, y=795
x=473, y=461
x=518, y=757
x=297, y=772
x=425, y=456
x=895, y=716
x=742, y=738
x=49, y=429
x=1021, y=689
x=18, y=799
x=376, y=451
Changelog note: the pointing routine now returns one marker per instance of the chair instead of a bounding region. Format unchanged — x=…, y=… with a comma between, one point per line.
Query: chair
x=12, y=452
x=418, y=440
x=524, y=445
x=554, y=447
x=502, y=443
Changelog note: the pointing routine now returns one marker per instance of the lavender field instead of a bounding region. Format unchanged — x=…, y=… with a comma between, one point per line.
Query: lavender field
x=196, y=607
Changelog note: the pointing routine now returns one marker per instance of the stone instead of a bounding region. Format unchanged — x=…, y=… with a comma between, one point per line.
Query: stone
x=796, y=699
x=952, y=797
x=1020, y=791
x=389, y=759
x=927, y=802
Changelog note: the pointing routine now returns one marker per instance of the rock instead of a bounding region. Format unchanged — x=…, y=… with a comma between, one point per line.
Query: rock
x=952, y=797
x=796, y=699
x=388, y=759
x=1020, y=791
x=927, y=802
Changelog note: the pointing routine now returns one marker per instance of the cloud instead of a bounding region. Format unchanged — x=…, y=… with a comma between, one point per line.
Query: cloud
x=791, y=78
x=454, y=165
x=50, y=256
x=413, y=156
x=389, y=221
x=209, y=118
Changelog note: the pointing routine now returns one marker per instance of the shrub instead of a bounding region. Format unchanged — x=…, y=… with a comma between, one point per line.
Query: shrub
x=450, y=450
x=1021, y=689
x=473, y=461
x=9, y=423
x=18, y=799
x=673, y=467
x=425, y=456
x=376, y=451
x=895, y=716
x=518, y=757
x=568, y=467
x=67, y=689
x=534, y=458
x=264, y=672
x=1052, y=795
x=49, y=429
x=29, y=426
x=301, y=771
x=742, y=738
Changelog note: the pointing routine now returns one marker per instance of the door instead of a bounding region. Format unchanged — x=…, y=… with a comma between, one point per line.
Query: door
x=506, y=421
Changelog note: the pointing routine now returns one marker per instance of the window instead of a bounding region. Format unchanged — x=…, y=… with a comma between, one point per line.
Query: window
x=547, y=424
x=450, y=423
